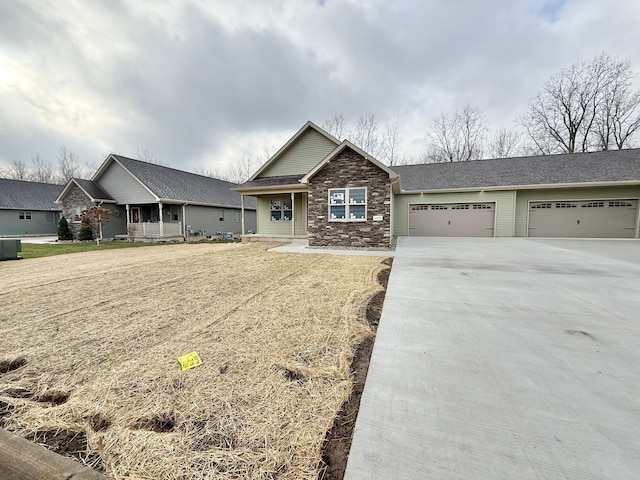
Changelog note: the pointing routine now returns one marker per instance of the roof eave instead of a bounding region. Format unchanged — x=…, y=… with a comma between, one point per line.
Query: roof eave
x=173, y=201
x=542, y=186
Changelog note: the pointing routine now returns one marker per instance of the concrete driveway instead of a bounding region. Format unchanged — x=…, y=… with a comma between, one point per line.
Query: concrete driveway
x=505, y=359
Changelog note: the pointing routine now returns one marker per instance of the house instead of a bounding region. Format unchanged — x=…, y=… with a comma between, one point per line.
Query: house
x=28, y=208
x=153, y=202
x=335, y=194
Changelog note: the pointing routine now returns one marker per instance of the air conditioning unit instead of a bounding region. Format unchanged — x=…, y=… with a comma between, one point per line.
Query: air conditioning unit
x=9, y=248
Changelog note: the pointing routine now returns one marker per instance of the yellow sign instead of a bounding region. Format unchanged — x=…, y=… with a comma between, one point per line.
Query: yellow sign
x=189, y=360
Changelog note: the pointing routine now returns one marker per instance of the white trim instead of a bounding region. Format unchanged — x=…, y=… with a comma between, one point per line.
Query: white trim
x=347, y=205
x=336, y=151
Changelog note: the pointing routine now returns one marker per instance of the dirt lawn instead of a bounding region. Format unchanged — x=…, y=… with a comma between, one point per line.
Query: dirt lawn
x=89, y=346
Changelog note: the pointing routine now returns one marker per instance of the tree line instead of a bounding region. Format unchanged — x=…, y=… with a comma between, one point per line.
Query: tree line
x=586, y=107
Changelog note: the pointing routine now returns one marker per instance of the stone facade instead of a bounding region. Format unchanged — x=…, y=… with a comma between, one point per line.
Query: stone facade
x=349, y=169
x=75, y=199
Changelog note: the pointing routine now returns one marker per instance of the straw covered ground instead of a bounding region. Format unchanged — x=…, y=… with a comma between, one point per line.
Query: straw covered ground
x=89, y=347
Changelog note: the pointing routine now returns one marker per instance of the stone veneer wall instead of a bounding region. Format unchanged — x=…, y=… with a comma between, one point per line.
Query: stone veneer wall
x=347, y=170
x=74, y=198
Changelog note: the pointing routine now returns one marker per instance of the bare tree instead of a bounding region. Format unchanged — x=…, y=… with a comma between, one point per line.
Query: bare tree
x=42, y=171
x=68, y=165
x=365, y=134
x=242, y=169
x=148, y=156
x=589, y=105
x=505, y=143
x=390, y=145
x=458, y=137
x=337, y=126
x=618, y=115
x=17, y=170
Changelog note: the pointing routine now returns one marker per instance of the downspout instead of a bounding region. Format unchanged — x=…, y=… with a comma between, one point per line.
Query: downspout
x=184, y=221
x=242, y=215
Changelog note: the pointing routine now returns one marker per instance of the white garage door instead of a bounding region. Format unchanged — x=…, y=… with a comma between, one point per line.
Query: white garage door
x=583, y=219
x=452, y=220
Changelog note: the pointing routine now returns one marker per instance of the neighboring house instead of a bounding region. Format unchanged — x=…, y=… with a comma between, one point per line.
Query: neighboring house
x=335, y=194
x=28, y=208
x=150, y=201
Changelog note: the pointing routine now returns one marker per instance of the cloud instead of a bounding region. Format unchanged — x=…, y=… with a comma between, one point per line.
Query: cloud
x=198, y=83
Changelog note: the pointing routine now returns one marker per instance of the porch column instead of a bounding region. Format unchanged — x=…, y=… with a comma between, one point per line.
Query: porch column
x=128, y=217
x=160, y=219
x=293, y=214
x=242, y=214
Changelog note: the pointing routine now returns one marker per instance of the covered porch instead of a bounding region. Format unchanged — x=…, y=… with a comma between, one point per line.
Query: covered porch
x=154, y=222
x=281, y=212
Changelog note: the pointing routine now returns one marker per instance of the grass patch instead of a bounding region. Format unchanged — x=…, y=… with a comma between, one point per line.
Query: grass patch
x=36, y=250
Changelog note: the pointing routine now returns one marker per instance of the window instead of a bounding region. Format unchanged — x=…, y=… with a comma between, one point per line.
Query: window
x=620, y=204
x=238, y=217
x=221, y=216
x=566, y=205
x=463, y=206
x=347, y=204
x=481, y=206
x=541, y=205
x=593, y=205
x=280, y=209
x=24, y=215
x=51, y=217
x=174, y=213
x=438, y=207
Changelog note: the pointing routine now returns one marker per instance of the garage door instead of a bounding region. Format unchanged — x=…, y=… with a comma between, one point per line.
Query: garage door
x=452, y=220
x=583, y=219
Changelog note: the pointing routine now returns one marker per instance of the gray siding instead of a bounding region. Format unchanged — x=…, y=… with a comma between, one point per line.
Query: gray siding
x=117, y=222
x=123, y=187
x=10, y=224
x=302, y=156
x=504, y=200
x=207, y=219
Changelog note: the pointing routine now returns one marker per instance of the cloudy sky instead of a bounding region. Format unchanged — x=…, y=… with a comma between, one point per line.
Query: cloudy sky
x=198, y=82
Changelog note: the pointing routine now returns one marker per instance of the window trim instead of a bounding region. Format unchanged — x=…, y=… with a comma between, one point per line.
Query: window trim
x=347, y=205
x=281, y=209
x=24, y=215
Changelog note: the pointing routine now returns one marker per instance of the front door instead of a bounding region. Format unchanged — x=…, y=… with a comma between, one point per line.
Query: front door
x=135, y=215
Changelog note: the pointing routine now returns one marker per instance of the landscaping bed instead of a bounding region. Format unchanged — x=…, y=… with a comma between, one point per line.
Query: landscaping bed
x=91, y=340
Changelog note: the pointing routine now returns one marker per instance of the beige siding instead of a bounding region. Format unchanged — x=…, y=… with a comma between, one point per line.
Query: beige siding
x=121, y=185
x=504, y=200
x=267, y=227
x=593, y=193
x=302, y=156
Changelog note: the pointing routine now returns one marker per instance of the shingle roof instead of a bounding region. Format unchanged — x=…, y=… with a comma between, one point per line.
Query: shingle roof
x=171, y=184
x=572, y=168
x=18, y=194
x=273, y=181
x=95, y=191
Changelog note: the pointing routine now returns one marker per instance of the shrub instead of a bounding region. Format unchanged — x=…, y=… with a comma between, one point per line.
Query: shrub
x=86, y=232
x=64, y=232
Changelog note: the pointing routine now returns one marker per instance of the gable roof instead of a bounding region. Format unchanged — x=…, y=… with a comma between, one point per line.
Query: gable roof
x=347, y=144
x=569, y=169
x=276, y=156
x=91, y=189
x=18, y=194
x=170, y=184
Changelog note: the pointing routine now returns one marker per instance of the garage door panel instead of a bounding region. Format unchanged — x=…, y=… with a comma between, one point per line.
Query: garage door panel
x=583, y=219
x=452, y=220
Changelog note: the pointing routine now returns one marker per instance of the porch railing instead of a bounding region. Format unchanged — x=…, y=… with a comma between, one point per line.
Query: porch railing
x=152, y=229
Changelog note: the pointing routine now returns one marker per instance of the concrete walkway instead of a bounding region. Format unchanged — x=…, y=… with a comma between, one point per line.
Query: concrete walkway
x=302, y=246
x=505, y=359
